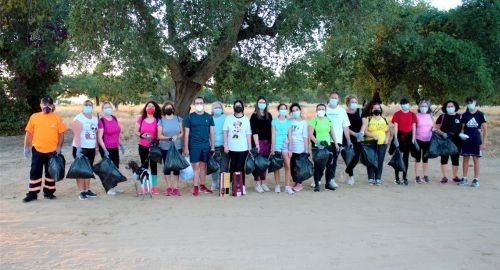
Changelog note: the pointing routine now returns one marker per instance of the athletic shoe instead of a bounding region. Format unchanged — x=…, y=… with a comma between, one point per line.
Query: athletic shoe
x=350, y=181
x=316, y=188
x=244, y=190
x=111, y=192
x=298, y=187
x=90, y=194
x=177, y=192
x=426, y=179
x=155, y=191
x=312, y=184
x=28, y=199
x=196, y=191
x=444, y=180
x=265, y=187
x=378, y=182
x=333, y=183
x=456, y=180
x=50, y=196
x=463, y=182
x=289, y=190
x=397, y=182
x=475, y=183
x=83, y=196
x=258, y=188
x=118, y=189
x=169, y=192
x=330, y=187
x=405, y=182
x=417, y=180
x=371, y=181
x=204, y=189
x=277, y=189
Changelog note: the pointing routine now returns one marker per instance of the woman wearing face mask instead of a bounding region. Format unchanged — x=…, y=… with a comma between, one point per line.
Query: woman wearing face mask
x=108, y=137
x=85, y=143
x=423, y=135
x=146, y=127
x=377, y=136
x=298, y=144
x=219, y=155
x=321, y=134
x=405, y=123
x=170, y=130
x=260, y=123
x=237, y=140
x=355, y=115
x=448, y=125
x=475, y=135
x=279, y=142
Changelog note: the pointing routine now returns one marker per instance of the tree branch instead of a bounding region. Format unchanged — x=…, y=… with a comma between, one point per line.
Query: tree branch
x=257, y=27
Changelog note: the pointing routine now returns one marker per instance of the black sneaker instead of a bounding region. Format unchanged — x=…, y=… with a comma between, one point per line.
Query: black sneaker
x=417, y=180
x=90, y=194
x=316, y=188
x=426, y=179
x=83, y=196
x=50, y=196
x=330, y=187
x=28, y=199
x=397, y=182
x=405, y=182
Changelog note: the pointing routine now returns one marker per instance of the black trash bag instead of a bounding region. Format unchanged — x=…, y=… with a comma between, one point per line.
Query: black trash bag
x=57, y=166
x=397, y=161
x=448, y=147
x=275, y=162
x=80, y=169
x=303, y=168
x=174, y=160
x=436, y=146
x=155, y=152
x=369, y=155
x=261, y=164
x=109, y=174
x=212, y=165
x=347, y=154
x=249, y=164
x=321, y=156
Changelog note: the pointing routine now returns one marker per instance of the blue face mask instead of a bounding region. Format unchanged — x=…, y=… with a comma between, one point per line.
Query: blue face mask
x=405, y=107
x=107, y=111
x=333, y=101
x=353, y=106
x=471, y=106
x=218, y=111
x=87, y=109
x=283, y=112
x=262, y=106
x=450, y=110
x=296, y=114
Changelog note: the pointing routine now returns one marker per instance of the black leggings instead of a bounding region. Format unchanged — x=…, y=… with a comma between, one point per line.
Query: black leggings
x=454, y=158
x=237, y=162
x=318, y=169
x=357, y=153
x=405, y=147
x=422, y=155
x=144, y=153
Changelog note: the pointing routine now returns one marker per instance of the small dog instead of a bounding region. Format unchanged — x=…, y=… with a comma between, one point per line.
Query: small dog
x=140, y=175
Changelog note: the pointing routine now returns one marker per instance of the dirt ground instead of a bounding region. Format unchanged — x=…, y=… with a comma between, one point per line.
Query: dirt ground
x=427, y=226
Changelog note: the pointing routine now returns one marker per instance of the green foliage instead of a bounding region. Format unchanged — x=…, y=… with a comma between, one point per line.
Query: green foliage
x=13, y=116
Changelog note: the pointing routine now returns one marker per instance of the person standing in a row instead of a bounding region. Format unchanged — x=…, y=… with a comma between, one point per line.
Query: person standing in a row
x=298, y=141
x=260, y=123
x=449, y=126
x=423, y=135
x=279, y=142
x=405, y=123
x=220, y=156
x=355, y=115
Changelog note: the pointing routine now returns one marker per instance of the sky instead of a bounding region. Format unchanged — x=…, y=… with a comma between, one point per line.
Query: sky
x=445, y=4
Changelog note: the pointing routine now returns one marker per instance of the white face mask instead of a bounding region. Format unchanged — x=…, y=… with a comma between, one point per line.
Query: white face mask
x=199, y=107
x=321, y=113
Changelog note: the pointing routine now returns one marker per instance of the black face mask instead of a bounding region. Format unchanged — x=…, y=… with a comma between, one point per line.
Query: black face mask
x=169, y=111
x=238, y=109
x=377, y=112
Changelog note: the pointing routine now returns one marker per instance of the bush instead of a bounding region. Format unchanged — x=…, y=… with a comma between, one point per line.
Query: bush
x=13, y=116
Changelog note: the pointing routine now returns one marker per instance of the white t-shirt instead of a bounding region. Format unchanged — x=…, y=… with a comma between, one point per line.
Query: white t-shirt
x=299, y=135
x=237, y=131
x=339, y=119
x=88, y=133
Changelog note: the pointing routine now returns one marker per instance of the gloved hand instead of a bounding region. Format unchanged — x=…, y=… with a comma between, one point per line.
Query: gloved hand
x=58, y=150
x=444, y=135
x=106, y=153
x=463, y=136
x=349, y=144
x=79, y=152
x=27, y=152
x=122, y=149
x=359, y=135
x=396, y=142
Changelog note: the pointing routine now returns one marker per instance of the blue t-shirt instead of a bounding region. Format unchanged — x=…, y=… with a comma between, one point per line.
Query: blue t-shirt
x=199, y=129
x=170, y=128
x=219, y=133
x=281, y=132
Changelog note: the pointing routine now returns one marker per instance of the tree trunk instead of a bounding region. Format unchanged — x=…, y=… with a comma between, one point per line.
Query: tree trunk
x=185, y=93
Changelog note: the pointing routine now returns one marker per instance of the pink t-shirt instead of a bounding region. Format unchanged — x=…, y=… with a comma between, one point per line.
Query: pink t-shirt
x=424, y=127
x=146, y=127
x=111, y=132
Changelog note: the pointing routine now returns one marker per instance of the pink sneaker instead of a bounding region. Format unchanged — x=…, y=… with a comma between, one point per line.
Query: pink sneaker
x=196, y=191
x=297, y=188
x=155, y=191
x=177, y=192
x=140, y=191
x=204, y=189
x=169, y=192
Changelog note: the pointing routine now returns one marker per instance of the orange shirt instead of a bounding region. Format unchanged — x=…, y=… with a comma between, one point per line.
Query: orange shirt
x=45, y=129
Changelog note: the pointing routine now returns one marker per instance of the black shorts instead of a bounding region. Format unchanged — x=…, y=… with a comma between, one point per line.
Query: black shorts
x=88, y=152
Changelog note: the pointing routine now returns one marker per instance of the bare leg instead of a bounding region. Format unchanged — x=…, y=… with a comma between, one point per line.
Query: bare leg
x=424, y=168
x=277, y=177
x=86, y=184
x=444, y=168
x=455, y=171
x=80, y=184
x=465, y=166
x=476, y=166
x=196, y=169
x=286, y=163
x=203, y=172
x=176, y=181
x=416, y=168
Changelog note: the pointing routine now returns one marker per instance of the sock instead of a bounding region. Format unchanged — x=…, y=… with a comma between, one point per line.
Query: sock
x=154, y=180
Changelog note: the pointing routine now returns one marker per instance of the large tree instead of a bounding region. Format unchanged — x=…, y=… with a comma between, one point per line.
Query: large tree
x=191, y=39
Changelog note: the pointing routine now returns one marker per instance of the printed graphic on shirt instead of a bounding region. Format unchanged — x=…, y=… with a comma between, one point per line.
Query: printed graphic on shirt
x=236, y=129
x=472, y=123
x=90, y=134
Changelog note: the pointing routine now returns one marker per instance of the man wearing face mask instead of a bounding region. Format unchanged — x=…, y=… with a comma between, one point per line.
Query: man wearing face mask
x=199, y=143
x=44, y=136
x=338, y=115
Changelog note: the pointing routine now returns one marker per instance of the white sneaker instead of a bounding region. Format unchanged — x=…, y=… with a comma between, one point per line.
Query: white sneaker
x=333, y=183
x=288, y=190
x=244, y=190
x=313, y=185
x=277, y=189
x=258, y=188
x=118, y=189
x=350, y=181
x=371, y=181
x=265, y=187
x=112, y=192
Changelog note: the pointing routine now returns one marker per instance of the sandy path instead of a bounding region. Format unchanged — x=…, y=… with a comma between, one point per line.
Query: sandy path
x=429, y=226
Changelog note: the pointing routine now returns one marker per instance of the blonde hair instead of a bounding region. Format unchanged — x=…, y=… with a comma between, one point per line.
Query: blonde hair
x=349, y=98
